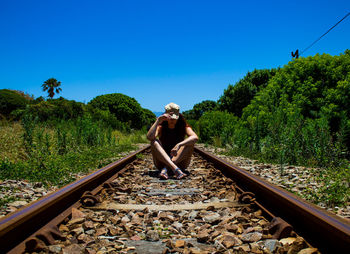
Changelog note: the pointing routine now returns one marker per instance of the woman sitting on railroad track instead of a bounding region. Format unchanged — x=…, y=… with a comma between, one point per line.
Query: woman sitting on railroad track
x=170, y=149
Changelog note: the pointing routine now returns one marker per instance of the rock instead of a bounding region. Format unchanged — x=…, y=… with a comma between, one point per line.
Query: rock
x=63, y=228
x=135, y=238
x=78, y=231
x=179, y=244
x=215, y=234
x=77, y=214
x=262, y=222
x=115, y=219
x=156, y=222
x=177, y=225
x=75, y=221
x=152, y=235
x=166, y=251
x=114, y=230
x=72, y=249
x=297, y=246
x=39, y=190
x=169, y=244
x=308, y=251
x=239, y=229
x=88, y=225
x=251, y=237
x=18, y=203
x=101, y=231
x=229, y=240
x=287, y=241
x=90, y=232
x=90, y=251
x=55, y=248
x=193, y=214
x=231, y=228
x=245, y=248
x=272, y=244
x=196, y=251
x=255, y=248
x=162, y=215
x=203, y=236
x=136, y=220
x=253, y=229
x=125, y=219
x=37, y=184
x=82, y=238
x=214, y=199
x=212, y=218
x=170, y=218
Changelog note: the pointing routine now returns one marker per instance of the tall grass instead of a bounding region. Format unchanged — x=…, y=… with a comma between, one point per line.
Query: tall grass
x=285, y=137
x=289, y=139
x=310, y=142
x=56, y=153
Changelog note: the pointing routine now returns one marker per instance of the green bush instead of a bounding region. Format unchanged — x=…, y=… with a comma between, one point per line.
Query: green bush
x=199, y=109
x=125, y=109
x=193, y=124
x=107, y=118
x=53, y=109
x=10, y=101
x=317, y=87
x=237, y=97
x=66, y=109
x=148, y=118
x=216, y=126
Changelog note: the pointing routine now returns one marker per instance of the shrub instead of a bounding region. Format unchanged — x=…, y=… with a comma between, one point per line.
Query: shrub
x=125, y=108
x=107, y=118
x=11, y=100
x=199, y=109
x=216, y=124
x=148, y=118
x=66, y=109
x=317, y=87
x=237, y=97
x=53, y=109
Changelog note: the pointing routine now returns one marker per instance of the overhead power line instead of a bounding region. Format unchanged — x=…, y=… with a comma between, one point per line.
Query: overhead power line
x=296, y=54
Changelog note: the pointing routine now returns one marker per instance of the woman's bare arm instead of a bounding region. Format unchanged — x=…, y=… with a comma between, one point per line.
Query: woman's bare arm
x=190, y=140
x=154, y=130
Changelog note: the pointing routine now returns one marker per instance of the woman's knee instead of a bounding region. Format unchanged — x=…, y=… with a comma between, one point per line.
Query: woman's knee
x=183, y=155
x=156, y=143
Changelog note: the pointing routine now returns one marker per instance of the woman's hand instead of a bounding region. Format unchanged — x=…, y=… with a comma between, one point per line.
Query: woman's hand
x=173, y=151
x=164, y=117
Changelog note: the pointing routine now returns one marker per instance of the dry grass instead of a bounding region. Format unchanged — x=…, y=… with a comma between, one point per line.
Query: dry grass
x=11, y=142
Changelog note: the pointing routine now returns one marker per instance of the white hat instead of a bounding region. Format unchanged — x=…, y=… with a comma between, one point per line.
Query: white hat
x=173, y=110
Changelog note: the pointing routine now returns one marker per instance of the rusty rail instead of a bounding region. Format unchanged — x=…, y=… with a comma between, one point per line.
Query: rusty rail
x=327, y=232
x=323, y=230
x=18, y=226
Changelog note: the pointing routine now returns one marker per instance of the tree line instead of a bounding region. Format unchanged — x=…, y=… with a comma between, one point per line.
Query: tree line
x=115, y=110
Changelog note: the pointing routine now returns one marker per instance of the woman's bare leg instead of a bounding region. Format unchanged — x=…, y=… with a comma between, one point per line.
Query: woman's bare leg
x=160, y=157
x=183, y=157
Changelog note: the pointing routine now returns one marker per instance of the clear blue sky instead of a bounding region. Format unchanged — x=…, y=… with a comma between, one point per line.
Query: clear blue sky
x=158, y=51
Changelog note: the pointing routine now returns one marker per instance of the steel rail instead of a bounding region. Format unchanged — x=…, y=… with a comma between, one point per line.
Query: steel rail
x=18, y=226
x=327, y=232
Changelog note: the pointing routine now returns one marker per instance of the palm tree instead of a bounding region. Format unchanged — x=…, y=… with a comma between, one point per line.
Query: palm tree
x=52, y=86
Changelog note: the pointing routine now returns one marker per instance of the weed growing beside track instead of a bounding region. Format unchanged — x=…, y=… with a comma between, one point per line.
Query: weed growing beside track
x=328, y=188
x=54, y=155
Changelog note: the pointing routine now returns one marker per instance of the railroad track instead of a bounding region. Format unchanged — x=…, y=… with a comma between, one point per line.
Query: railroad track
x=218, y=208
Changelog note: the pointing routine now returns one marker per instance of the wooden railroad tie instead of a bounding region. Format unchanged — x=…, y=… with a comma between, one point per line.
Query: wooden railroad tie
x=170, y=207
